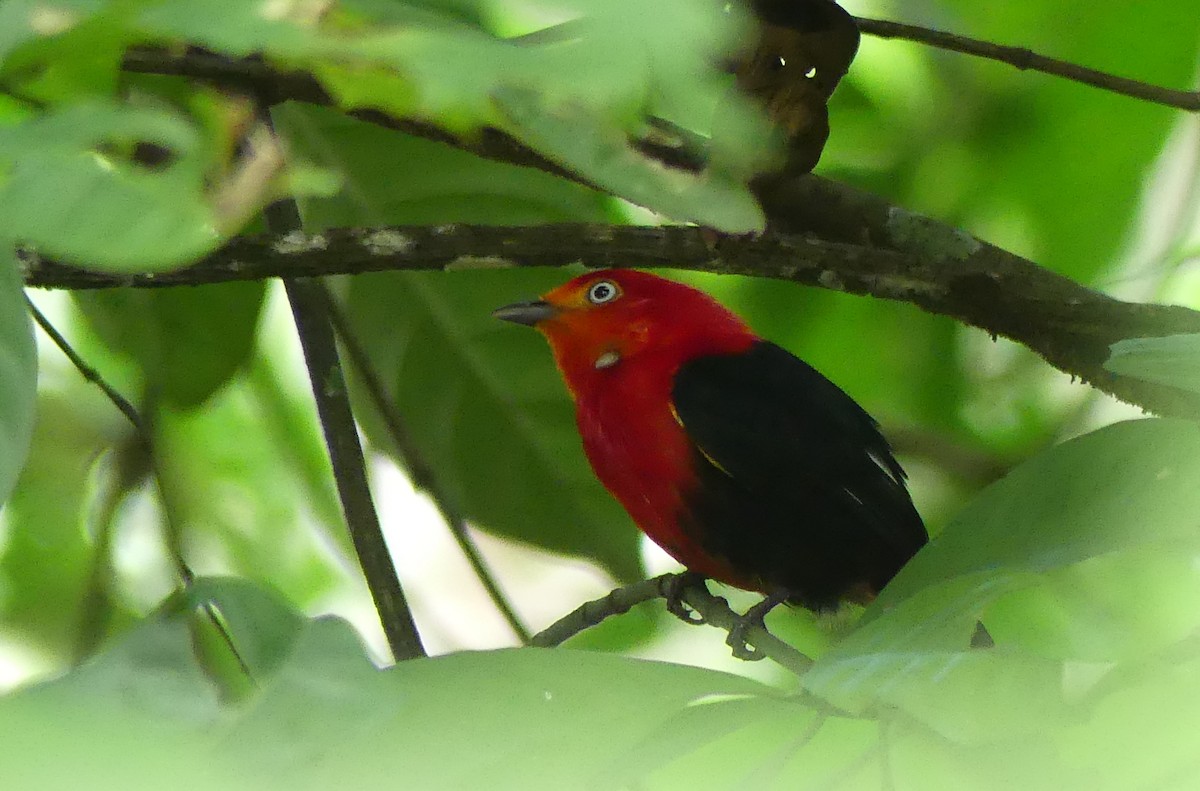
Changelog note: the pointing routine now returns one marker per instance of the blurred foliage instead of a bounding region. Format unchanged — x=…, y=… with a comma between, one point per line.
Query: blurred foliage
x=1172, y=360
x=18, y=372
x=912, y=716
x=1081, y=562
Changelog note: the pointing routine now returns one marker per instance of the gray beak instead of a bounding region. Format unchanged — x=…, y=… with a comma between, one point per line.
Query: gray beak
x=527, y=313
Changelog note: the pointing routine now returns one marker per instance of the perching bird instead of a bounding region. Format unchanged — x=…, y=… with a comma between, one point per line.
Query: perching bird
x=739, y=459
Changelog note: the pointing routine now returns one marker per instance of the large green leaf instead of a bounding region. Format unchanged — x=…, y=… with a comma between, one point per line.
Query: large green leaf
x=605, y=158
x=321, y=715
x=130, y=718
x=595, y=83
x=1128, y=485
x=1127, y=489
x=325, y=715
x=18, y=372
x=72, y=187
x=482, y=400
x=187, y=341
x=457, y=721
x=488, y=411
x=61, y=52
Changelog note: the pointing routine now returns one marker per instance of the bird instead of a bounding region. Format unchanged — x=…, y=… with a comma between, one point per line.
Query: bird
x=740, y=460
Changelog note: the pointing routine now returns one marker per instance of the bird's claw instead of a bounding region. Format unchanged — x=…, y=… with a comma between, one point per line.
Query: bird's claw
x=738, y=639
x=673, y=589
x=739, y=645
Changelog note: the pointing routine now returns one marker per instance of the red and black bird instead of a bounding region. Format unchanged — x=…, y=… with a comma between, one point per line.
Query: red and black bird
x=739, y=459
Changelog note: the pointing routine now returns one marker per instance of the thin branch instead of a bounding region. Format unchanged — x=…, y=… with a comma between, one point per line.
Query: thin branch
x=422, y=474
x=173, y=538
x=89, y=373
x=617, y=602
x=1025, y=59
x=864, y=245
x=714, y=609
x=131, y=469
x=345, y=453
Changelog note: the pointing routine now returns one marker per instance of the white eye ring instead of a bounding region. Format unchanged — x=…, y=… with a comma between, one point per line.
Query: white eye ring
x=603, y=291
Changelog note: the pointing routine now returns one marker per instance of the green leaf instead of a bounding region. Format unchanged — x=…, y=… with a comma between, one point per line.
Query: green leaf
x=578, y=96
x=604, y=156
x=47, y=553
x=1173, y=360
x=968, y=696
x=29, y=21
x=262, y=626
x=188, y=341
x=227, y=480
x=1127, y=485
x=488, y=411
x=323, y=716
x=70, y=187
x=469, y=720
x=392, y=178
x=482, y=401
x=1142, y=731
x=1124, y=605
x=130, y=718
x=18, y=372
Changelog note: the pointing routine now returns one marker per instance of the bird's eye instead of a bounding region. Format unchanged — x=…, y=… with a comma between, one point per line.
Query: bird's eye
x=603, y=291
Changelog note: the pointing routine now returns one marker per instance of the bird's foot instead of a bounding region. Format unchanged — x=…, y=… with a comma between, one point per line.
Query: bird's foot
x=673, y=589
x=753, y=618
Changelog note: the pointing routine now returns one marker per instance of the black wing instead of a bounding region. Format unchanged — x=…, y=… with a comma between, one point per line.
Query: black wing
x=798, y=488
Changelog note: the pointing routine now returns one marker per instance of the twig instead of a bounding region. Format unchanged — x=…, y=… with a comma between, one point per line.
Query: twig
x=173, y=533
x=422, y=474
x=617, y=602
x=715, y=610
x=1025, y=59
x=130, y=470
x=89, y=373
x=345, y=453
x=863, y=245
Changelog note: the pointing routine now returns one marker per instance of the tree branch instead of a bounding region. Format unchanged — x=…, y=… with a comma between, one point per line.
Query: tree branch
x=862, y=245
x=714, y=609
x=256, y=78
x=1025, y=59
x=422, y=474
x=315, y=330
x=895, y=255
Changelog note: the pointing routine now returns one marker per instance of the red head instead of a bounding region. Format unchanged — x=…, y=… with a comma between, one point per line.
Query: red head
x=621, y=316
